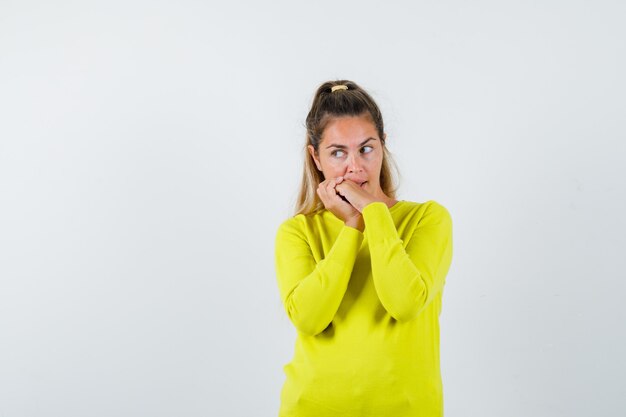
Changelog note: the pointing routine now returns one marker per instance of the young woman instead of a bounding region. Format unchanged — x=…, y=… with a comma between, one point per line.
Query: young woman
x=360, y=273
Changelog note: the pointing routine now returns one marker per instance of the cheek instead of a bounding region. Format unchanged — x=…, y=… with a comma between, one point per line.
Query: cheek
x=333, y=164
x=374, y=162
x=331, y=168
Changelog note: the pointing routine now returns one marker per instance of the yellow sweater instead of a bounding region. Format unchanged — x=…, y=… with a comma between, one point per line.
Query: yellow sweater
x=366, y=309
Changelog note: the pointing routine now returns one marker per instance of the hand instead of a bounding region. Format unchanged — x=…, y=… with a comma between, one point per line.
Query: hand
x=356, y=196
x=333, y=202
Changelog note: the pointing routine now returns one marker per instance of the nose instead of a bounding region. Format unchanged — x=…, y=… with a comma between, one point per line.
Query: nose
x=354, y=165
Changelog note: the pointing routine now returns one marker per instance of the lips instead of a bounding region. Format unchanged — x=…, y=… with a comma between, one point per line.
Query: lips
x=356, y=180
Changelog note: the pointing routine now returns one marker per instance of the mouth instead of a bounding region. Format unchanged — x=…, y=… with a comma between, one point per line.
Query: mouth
x=362, y=184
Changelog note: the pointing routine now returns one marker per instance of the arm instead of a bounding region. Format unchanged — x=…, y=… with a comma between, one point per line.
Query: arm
x=407, y=280
x=312, y=292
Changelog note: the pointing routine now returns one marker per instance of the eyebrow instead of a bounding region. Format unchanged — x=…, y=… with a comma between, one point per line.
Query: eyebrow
x=344, y=147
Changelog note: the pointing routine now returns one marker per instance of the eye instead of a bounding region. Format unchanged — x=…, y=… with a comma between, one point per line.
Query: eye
x=334, y=153
x=367, y=146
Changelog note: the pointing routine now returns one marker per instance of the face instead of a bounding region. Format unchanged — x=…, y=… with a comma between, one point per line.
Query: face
x=350, y=147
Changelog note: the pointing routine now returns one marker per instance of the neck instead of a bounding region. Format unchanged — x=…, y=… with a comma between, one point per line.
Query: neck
x=386, y=199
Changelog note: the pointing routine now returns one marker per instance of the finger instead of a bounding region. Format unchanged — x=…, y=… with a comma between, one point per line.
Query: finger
x=322, y=188
x=348, y=186
x=327, y=193
x=321, y=192
x=330, y=187
x=344, y=187
x=329, y=196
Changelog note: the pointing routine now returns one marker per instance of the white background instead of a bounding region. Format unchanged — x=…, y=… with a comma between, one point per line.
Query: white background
x=150, y=149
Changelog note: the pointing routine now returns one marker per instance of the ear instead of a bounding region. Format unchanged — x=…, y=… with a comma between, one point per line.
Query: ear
x=312, y=152
x=384, y=138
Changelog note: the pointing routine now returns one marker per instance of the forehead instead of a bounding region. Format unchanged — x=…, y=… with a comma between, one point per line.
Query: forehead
x=349, y=130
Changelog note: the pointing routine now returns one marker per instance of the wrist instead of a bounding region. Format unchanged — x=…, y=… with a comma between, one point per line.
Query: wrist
x=367, y=203
x=356, y=222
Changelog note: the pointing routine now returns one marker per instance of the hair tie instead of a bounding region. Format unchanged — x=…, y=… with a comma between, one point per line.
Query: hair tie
x=338, y=87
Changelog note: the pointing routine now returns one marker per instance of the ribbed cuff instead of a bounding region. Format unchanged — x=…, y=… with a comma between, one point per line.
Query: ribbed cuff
x=379, y=225
x=347, y=244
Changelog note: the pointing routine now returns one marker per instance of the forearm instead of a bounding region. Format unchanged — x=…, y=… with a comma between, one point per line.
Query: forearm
x=408, y=279
x=403, y=290
x=312, y=292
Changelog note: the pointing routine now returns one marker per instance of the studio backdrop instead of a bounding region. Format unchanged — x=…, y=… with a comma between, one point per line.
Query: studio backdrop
x=150, y=150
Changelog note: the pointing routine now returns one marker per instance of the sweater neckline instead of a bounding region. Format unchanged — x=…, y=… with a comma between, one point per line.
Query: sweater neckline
x=395, y=206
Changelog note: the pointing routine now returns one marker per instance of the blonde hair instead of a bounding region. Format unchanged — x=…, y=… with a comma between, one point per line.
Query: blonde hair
x=329, y=102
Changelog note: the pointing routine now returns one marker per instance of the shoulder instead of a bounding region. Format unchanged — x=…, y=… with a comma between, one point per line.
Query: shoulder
x=429, y=208
x=434, y=208
x=437, y=218
x=298, y=226
x=293, y=224
x=430, y=211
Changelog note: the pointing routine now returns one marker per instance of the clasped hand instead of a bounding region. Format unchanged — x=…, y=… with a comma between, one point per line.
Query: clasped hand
x=354, y=198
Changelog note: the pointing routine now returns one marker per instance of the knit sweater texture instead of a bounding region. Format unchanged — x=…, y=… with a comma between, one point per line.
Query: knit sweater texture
x=366, y=307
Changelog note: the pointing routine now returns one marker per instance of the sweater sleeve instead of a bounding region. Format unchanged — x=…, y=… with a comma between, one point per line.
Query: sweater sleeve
x=312, y=291
x=407, y=280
